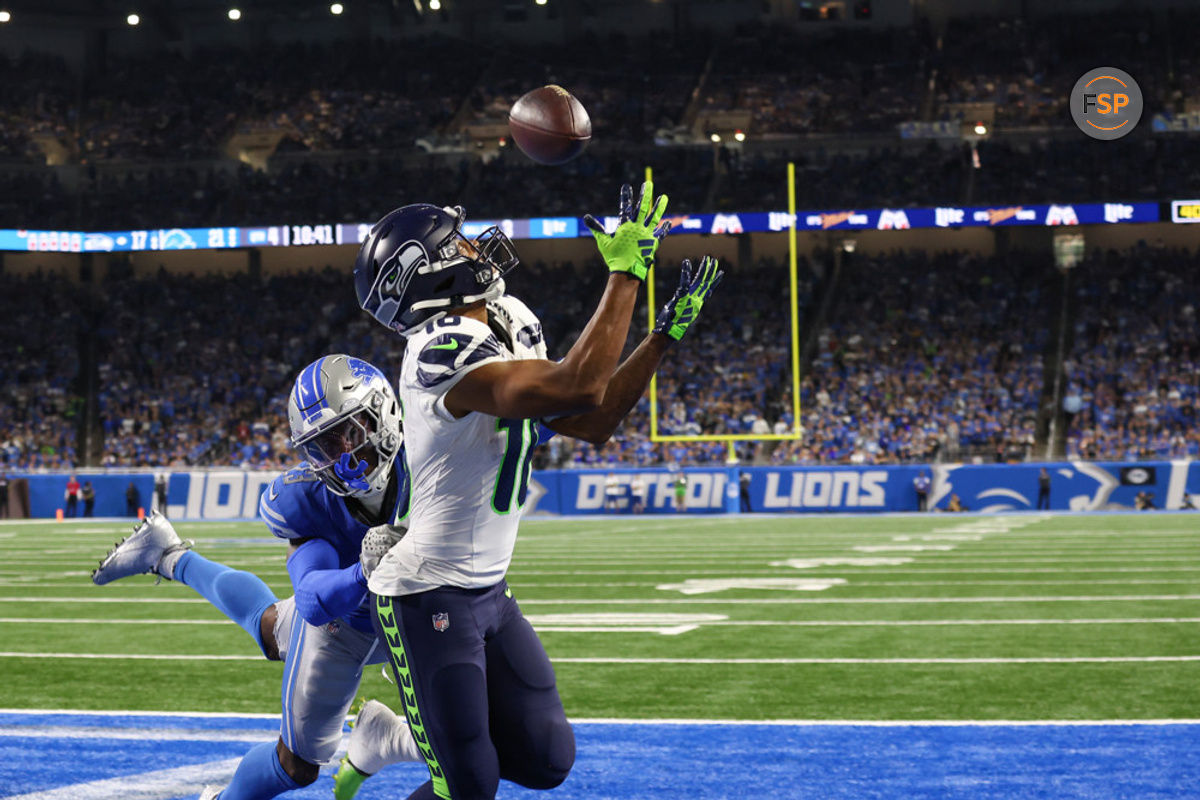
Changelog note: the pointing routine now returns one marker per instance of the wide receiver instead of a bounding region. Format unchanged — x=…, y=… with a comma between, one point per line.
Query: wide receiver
x=476, y=685
x=345, y=419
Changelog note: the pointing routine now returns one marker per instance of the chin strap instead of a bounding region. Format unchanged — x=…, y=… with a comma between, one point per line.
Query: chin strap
x=352, y=474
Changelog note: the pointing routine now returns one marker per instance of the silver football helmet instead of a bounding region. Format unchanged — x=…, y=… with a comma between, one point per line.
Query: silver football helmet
x=347, y=423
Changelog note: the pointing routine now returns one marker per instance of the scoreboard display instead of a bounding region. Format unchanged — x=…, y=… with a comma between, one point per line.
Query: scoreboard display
x=308, y=235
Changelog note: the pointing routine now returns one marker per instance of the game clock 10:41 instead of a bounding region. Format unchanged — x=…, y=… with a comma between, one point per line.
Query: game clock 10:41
x=313, y=234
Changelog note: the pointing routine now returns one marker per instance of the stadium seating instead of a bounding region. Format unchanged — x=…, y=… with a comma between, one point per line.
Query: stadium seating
x=348, y=125
x=921, y=358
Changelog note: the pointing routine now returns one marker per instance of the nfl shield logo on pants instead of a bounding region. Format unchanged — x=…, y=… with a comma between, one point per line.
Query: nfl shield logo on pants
x=441, y=622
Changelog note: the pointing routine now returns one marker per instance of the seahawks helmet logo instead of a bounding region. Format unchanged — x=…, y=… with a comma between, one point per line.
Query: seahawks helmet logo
x=393, y=280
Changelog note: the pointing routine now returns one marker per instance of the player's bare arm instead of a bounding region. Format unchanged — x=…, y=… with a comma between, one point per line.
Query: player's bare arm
x=525, y=389
x=629, y=382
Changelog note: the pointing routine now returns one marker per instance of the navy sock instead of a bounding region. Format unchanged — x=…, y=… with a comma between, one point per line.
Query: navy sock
x=259, y=776
x=241, y=596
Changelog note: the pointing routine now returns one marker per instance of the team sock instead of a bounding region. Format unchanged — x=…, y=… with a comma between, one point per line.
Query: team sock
x=259, y=776
x=166, y=565
x=241, y=596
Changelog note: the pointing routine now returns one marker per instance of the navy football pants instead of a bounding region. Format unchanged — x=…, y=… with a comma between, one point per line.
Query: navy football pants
x=478, y=690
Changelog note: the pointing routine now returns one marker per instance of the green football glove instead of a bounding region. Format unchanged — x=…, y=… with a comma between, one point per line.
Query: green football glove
x=684, y=306
x=631, y=247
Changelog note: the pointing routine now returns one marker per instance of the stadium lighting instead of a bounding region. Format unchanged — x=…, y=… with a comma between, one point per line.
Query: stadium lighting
x=5, y=16
x=540, y=2
x=132, y=20
x=235, y=14
x=739, y=135
x=980, y=129
x=435, y=5
x=716, y=137
x=336, y=9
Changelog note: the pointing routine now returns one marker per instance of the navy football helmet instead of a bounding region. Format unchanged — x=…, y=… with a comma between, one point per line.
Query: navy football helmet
x=416, y=264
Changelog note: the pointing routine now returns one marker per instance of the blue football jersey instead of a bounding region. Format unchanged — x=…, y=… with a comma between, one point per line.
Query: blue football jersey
x=296, y=505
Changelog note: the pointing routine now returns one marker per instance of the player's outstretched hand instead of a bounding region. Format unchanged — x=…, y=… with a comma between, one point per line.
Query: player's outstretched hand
x=376, y=543
x=630, y=248
x=684, y=306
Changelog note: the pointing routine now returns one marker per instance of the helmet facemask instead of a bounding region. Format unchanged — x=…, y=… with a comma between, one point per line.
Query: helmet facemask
x=352, y=454
x=346, y=422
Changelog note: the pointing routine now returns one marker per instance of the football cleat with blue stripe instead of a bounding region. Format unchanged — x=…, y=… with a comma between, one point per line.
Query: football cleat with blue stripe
x=142, y=551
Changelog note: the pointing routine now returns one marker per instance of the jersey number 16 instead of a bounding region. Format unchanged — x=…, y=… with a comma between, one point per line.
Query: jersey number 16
x=512, y=483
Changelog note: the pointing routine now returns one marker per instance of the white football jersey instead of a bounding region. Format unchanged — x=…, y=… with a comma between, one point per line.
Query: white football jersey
x=469, y=476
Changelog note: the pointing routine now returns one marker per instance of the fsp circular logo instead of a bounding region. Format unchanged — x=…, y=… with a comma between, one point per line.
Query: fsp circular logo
x=1106, y=103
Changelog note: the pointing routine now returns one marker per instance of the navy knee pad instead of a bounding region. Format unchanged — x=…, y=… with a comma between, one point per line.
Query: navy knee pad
x=557, y=756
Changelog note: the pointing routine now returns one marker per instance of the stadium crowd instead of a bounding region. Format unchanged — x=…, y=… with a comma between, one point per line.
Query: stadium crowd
x=364, y=187
x=348, y=120
x=40, y=399
x=195, y=370
x=338, y=96
x=921, y=358
x=928, y=358
x=1134, y=372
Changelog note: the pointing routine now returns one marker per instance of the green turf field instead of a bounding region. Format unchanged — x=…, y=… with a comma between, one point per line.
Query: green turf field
x=850, y=618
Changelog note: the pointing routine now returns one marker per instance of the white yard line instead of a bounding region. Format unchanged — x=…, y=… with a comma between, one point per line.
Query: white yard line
x=887, y=661
x=939, y=554
x=132, y=656
x=1080, y=581
x=84, y=600
x=519, y=571
x=104, y=621
x=906, y=623
x=628, y=601
x=590, y=623
x=866, y=600
x=282, y=588
x=618, y=660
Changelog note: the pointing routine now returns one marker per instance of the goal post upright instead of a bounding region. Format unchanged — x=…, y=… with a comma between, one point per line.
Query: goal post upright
x=794, y=307
x=791, y=185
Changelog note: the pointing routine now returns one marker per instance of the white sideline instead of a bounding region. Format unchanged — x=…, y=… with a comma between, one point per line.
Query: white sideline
x=886, y=723
x=176, y=782
x=137, y=734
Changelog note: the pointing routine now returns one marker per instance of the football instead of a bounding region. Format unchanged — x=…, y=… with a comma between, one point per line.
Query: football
x=550, y=125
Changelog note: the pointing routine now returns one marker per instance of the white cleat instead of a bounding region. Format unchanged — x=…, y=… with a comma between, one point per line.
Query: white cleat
x=141, y=552
x=380, y=737
x=373, y=721
x=210, y=793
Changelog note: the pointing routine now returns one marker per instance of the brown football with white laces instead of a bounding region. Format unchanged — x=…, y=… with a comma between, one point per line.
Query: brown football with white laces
x=550, y=125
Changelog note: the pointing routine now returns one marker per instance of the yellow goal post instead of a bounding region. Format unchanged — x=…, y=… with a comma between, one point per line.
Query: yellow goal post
x=794, y=306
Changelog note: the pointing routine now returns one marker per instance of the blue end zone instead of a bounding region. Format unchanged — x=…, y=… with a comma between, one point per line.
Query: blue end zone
x=671, y=761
